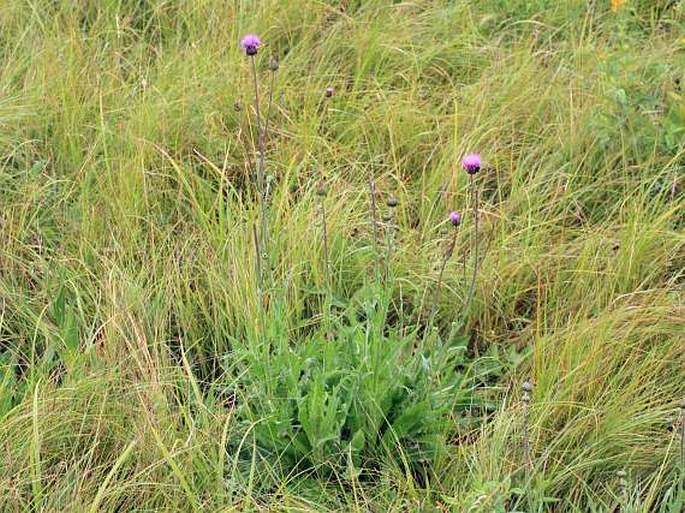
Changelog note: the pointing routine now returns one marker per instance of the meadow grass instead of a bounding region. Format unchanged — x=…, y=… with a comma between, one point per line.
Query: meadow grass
x=142, y=369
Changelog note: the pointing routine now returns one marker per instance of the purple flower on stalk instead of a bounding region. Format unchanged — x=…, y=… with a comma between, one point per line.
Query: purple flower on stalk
x=250, y=43
x=471, y=163
x=454, y=218
x=329, y=91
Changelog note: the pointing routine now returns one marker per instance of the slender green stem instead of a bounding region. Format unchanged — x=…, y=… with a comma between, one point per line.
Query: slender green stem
x=474, y=243
x=261, y=296
x=528, y=461
x=374, y=220
x=326, y=265
x=443, y=265
x=269, y=105
x=388, y=250
x=324, y=237
x=258, y=262
x=260, y=168
x=266, y=126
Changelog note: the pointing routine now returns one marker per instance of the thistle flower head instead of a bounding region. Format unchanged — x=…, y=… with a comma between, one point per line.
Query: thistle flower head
x=273, y=64
x=471, y=163
x=392, y=201
x=454, y=218
x=329, y=91
x=250, y=43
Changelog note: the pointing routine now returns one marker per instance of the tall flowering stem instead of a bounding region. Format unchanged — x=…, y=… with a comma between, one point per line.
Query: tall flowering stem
x=273, y=67
x=321, y=192
x=328, y=96
x=260, y=167
x=251, y=43
x=474, y=196
x=390, y=229
x=260, y=280
x=258, y=253
x=374, y=218
x=527, y=389
x=471, y=165
x=455, y=220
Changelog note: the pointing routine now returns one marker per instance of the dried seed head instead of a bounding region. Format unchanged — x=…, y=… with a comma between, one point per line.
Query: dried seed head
x=527, y=387
x=273, y=64
x=237, y=105
x=387, y=217
x=392, y=201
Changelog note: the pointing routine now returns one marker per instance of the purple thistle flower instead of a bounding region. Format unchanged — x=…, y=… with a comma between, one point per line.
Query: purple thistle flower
x=471, y=163
x=250, y=43
x=329, y=91
x=455, y=218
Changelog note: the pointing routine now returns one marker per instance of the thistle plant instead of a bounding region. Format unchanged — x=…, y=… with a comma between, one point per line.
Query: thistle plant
x=471, y=165
x=251, y=44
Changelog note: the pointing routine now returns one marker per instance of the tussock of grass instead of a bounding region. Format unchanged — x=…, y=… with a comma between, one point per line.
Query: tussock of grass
x=127, y=266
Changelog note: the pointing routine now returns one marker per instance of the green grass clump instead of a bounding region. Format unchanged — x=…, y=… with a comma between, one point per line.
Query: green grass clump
x=142, y=368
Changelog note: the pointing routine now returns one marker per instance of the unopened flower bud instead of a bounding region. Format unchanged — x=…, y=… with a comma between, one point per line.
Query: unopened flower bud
x=321, y=189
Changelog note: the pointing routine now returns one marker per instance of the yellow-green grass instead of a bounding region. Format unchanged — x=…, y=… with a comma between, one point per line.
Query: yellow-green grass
x=127, y=239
